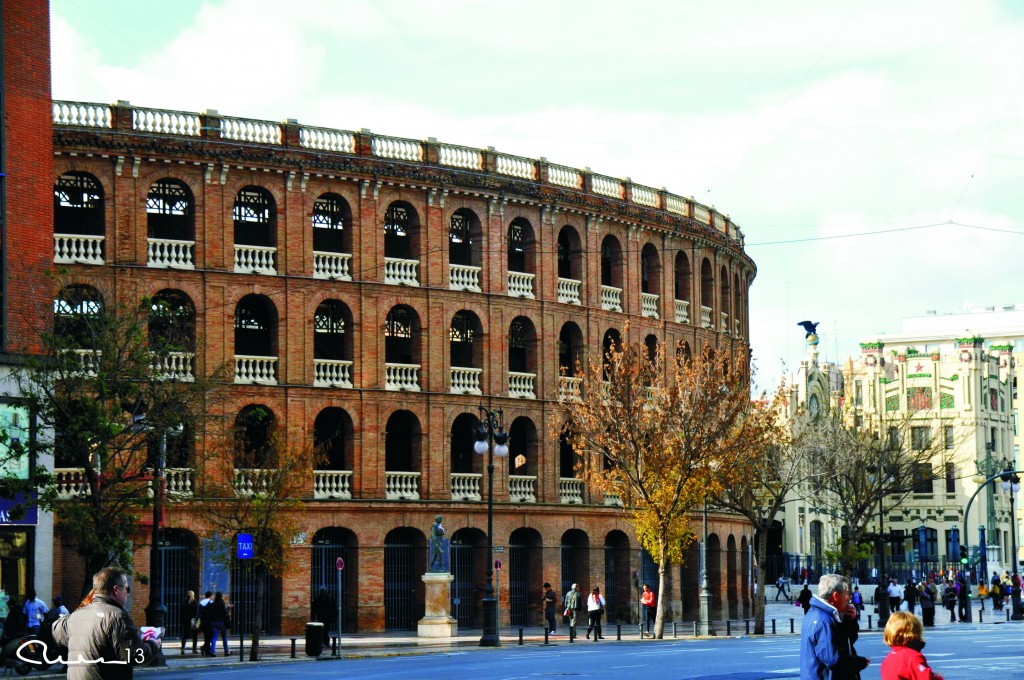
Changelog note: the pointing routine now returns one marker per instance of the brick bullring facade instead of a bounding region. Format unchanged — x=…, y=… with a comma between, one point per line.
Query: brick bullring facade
x=371, y=292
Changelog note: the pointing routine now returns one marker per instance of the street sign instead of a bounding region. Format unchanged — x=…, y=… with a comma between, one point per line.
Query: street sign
x=500, y=549
x=245, y=544
x=339, y=564
x=497, y=564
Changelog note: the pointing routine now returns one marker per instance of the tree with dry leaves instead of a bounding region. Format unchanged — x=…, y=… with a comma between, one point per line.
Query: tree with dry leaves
x=661, y=436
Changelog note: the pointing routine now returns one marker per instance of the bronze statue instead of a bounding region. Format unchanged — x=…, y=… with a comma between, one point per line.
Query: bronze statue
x=437, y=561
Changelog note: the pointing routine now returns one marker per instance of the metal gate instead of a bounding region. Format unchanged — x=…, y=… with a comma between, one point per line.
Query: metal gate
x=568, y=570
x=399, y=587
x=243, y=597
x=464, y=586
x=324, y=574
x=648, y=571
x=519, y=584
x=611, y=592
x=177, y=576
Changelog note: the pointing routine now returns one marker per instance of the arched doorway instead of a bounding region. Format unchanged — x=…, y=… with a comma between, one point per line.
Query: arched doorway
x=714, y=567
x=179, y=573
x=330, y=544
x=405, y=560
x=617, y=578
x=525, y=565
x=689, y=576
x=732, y=574
x=469, y=567
x=575, y=558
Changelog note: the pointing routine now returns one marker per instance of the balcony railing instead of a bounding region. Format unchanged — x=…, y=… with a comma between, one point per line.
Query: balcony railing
x=466, y=486
x=613, y=499
x=331, y=484
x=170, y=254
x=465, y=380
x=255, y=259
x=705, y=317
x=520, y=284
x=522, y=488
x=401, y=272
x=402, y=377
x=85, y=362
x=682, y=311
x=736, y=327
x=75, y=249
x=71, y=482
x=611, y=298
x=569, y=291
x=178, y=366
x=332, y=265
x=725, y=323
x=649, y=305
x=521, y=385
x=570, y=490
x=464, y=277
x=332, y=373
x=251, y=370
x=179, y=482
x=569, y=388
x=402, y=486
x=249, y=481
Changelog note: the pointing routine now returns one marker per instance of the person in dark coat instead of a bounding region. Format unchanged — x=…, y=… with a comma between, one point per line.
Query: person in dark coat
x=961, y=598
x=924, y=597
x=910, y=595
x=828, y=634
x=218, y=614
x=14, y=624
x=189, y=610
x=325, y=611
x=804, y=598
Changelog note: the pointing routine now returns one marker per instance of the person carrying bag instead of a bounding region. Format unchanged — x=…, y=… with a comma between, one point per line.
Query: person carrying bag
x=595, y=610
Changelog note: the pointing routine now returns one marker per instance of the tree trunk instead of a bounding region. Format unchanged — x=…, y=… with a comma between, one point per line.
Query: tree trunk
x=659, y=617
x=762, y=570
x=254, y=645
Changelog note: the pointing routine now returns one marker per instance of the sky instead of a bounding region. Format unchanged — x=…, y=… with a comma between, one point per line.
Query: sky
x=871, y=151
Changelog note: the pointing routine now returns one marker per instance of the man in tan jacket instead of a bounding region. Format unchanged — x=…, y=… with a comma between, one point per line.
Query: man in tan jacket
x=102, y=641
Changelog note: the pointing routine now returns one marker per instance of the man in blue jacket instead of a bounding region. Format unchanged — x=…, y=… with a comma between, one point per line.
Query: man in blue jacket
x=828, y=633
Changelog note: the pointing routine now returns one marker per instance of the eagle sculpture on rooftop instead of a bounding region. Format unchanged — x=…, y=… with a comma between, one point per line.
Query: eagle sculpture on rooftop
x=810, y=326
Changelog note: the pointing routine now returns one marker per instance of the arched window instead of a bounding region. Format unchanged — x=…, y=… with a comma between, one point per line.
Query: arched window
x=463, y=458
x=77, y=313
x=464, y=236
x=170, y=211
x=255, y=217
x=254, y=433
x=400, y=232
x=611, y=262
x=172, y=322
x=332, y=439
x=332, y=220
x=255, y=320
x=520, y=246
x=402, y=443
x=331, y=337
x=78, y=205
x=650, y=271
x=612, y=343
x=569, y=256
x=401, y=328
x=522, y=341
x=464, y=339
x=570, y=349
x=725, y=300
x=682, y=277
x=522, y=450
x=707, y=285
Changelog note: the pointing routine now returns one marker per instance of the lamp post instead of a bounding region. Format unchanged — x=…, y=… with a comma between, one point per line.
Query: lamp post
x=705, y=627
x=491, y=439
x=1011, y=483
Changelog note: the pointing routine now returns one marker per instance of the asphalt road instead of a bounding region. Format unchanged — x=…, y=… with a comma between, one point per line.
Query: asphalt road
x=960, y=653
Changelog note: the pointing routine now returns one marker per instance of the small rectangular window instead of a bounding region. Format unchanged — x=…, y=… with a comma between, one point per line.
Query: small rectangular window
x=923, y=478
x=919, y=438
x=948, y=436
x=950, y=478
x=858, y=393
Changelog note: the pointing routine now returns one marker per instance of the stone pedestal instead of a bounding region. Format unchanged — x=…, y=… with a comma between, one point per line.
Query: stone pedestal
x=437, y=621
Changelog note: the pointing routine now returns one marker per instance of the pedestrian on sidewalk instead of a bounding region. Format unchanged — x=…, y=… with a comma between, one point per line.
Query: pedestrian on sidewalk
x=595, y=610
x=34, y=611
x=780, y=589
x=995, y=592
x=895, y=592
x=218, y=613
x=910, y=595
x=204, y=622
x=650, y=611
x=962, y=591
x=804, y=598
x=949, y=600
x=924, y=598
x=189, y=620
x=573, y=604
x=325, y=611
x=905, y=635
x=858, y=601
x=548, y=603
x=828, y=634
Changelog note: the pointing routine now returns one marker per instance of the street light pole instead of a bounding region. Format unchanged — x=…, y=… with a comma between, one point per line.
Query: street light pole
x=491, y=439
x=705, y=627
x=1011, y=483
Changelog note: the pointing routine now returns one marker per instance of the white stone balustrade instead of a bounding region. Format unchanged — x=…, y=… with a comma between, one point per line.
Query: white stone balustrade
x=85, y=362
x=398, y=272
x=250, y=481
x=170, y=254
x=255, y=259
x=78, y=114
x=465, y=380
x=569, y=388
x=611, y=298
x=570, y=490
x=682, y=311
x=332, y=484
x=520, y=284
x=402, y=486
x=514, y=166
x=460, y=157
x=253, y=370
x=464, y=277
x=645, y=196
x=649, y=305
x=725, y=322
x=402, y=377
x=522, y=488
x=71, y=482
x=521, y=385
x=705, y=317
x=466, y=486
x=332, y=265
x=613, y=499
x=332, y=373
x=166, y=122
x=565, y=176
x=701, y=213
x=75, y=249
x=676, y=204
x=179, y=482
x=327, y=140
x=606, y=186
x=256, y=131
x=178, y=366
x=569, y=291
x=400, y=149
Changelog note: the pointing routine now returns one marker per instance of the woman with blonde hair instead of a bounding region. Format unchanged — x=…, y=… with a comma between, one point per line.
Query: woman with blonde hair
x=905, y=634
x=189, y=620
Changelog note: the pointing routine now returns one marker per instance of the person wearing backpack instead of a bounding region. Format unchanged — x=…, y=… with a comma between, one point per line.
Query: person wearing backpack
x=858, y=601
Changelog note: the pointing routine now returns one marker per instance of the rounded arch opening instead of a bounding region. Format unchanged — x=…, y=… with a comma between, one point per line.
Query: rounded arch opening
x=255, y=326
x=402, y=436
x=255, y=217
x=401, y=232
x=170, y=211
x=521, y=246
x=570, y=256
x=331, y=220
x=333, y=435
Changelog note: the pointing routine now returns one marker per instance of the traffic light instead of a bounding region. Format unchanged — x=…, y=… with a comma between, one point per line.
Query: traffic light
x=963, y=554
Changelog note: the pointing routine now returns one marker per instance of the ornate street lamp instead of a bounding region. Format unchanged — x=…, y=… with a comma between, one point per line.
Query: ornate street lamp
x=1011, y=483
x=491, y=439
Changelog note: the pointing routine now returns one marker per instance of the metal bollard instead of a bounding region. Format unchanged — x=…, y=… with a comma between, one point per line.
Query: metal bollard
x=520, y=637
x=336, y=646
x=746, y=626
x=618, y=631
x=791, y=628
x=673, y=629
x=773, y=626
x=728, y=627
x=981, y=616
x=293, y=647
x=241, y=647
x=640, y=630
x=546, y=633
x=694, y=629
x=869, y=621
x=572, y=634
x=1007, y=614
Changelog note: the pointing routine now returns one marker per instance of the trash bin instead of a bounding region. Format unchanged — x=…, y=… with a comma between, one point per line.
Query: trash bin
x=314, y=638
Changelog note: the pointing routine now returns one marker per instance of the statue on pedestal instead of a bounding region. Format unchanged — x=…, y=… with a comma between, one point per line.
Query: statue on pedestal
x=439, y=549
x=437, y=620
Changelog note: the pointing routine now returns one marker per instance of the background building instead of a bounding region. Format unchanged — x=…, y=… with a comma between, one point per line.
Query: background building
x=369, y=293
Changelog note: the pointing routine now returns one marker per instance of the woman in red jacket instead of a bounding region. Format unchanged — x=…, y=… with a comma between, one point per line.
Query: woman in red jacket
x=648, y=601
x=904, y=633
